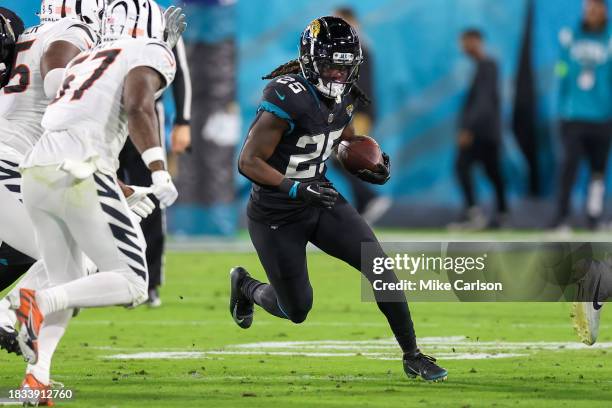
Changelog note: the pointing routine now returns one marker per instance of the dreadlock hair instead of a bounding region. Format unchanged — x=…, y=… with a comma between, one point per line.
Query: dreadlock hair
x=293, y=67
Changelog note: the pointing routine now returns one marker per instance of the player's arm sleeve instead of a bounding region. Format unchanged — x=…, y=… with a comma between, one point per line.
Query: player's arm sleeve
x=181, y=88
x=278, y=101
x=78, y=34
x=158, y=56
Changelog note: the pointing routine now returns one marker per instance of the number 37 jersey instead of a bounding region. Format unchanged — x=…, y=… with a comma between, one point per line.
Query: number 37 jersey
x=87, y=118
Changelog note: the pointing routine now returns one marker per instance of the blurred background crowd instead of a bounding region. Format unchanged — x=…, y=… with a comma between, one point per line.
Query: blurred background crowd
x=496, y=113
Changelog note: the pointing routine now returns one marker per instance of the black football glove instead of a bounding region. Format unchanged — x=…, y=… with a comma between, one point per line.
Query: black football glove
x=316, y=193
x=381, y=175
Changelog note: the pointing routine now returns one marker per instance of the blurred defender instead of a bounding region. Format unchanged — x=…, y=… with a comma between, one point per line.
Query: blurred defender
x=11, y=26
x=305, y=111
x=69, y=184
x=40, y=56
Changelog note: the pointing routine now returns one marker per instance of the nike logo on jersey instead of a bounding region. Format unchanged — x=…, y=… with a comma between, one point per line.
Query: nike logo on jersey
x=281, y=97
x=596, y=304
x=309, y=188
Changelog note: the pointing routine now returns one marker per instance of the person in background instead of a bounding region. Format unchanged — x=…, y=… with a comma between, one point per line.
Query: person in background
x=368, y=202
x=479, y=137
x=585, y=108
x=133, y=171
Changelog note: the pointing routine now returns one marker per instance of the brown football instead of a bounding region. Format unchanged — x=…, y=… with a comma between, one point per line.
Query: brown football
x=359, y=153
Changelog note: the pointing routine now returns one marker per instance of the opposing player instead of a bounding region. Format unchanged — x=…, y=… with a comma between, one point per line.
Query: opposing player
x=69, y=184
x=305, y=111
x=11, y=26
x=42, y=52
x=40, y=56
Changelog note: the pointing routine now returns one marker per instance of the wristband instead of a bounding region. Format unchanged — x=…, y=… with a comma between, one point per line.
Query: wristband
x=153, y=154
x=289, y=186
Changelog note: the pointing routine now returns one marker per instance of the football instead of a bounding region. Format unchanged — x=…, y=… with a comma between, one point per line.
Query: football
x=359, y=153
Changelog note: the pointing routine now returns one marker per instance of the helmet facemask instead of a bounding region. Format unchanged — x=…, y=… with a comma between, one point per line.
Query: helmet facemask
x=335, y=79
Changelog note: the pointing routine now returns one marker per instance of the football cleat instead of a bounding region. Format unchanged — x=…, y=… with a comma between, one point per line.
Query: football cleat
x=31, y=319
x=154, y=299
x=32, y=399
x=419, y=364
x=8, y=340
x=240, y=307
x=587, y=308
x=586, y=321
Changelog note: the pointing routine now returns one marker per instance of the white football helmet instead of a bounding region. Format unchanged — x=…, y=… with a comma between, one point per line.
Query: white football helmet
x=88, y=11
x=133, y=19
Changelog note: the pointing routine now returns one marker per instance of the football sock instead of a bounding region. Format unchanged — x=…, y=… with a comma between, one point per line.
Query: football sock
x=398, y=316
x=262, y=294
x=50, y=334
x=395, y=308
x=101, y=289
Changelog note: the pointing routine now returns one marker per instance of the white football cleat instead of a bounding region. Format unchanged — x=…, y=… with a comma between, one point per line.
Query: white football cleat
x=586, y=312
x=586, y=321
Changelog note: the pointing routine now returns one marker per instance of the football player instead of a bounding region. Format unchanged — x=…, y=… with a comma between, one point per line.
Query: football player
x=305, y=111
x=106, y=91
x=66, y=28
x=40, y=55
x=11, y=26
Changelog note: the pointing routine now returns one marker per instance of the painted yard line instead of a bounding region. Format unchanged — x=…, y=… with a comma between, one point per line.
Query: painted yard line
x=127, y=322
x=165, y=355
x=462, y=349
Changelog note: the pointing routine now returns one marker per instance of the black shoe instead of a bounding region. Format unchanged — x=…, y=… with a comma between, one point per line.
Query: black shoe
x=424, y=366
x=240, y=307
x=8, y=340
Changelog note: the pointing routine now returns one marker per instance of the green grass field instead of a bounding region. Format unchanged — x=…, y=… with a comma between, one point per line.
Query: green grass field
x=501, y=355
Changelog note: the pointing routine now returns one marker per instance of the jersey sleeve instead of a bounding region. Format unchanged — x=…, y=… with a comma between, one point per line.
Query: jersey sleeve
x=279, y=99
x=78, y=34
x=158, y=56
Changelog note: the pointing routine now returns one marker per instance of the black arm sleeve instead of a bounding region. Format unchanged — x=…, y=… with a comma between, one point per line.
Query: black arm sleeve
x=181, y=87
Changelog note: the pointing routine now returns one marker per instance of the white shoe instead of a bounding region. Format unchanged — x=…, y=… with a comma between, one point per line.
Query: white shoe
x=586, y=321
x=154, y=299
x=474, y=220
x=587, y=310
x=375, y=209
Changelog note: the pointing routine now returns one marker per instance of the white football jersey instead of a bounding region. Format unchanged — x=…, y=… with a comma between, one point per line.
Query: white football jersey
x=87, y=120
x=24, y=96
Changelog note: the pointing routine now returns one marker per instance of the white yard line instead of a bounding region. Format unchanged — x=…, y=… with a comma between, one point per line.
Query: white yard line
x=451, y=348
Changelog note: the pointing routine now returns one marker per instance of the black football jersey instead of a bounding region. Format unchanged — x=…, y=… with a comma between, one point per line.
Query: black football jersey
x=315, y=127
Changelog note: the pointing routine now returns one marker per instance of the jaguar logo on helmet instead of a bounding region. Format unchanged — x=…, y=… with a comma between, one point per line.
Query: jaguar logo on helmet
x=315, y=28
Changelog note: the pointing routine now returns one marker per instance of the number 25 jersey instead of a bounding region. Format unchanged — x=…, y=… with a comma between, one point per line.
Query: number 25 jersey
x=87, y=119
x=314, y=129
